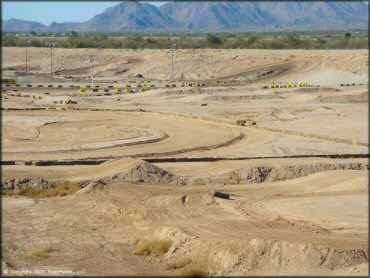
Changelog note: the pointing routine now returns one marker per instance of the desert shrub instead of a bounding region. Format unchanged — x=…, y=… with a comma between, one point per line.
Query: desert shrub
x=274, y=179
x=238, y=179
x=281, y=40
x=213, y=39
x=164, y=43
x=184, y=42
x=235, y=43
x=61, y=190
x=180, y=263
x=40, y=251
x=293, y=40
x=197, y=43
x=130, y=44
x=195, y=271
x=159, y=247
x=241, y=122
x=7, y=192
x=274, y=44
x=228, y=44
x=251, y=40
x=277, y=178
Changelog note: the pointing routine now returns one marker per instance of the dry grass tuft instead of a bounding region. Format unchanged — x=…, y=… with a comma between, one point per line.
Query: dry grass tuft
x=159, y=247
x=7, y=192
x=195, y=271
x=61, y=190
x=180, y=263
x=238, y=178
x=40, y=251
x=274, y=179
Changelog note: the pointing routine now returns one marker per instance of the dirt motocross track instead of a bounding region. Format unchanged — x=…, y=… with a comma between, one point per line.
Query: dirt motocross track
x=149, y=163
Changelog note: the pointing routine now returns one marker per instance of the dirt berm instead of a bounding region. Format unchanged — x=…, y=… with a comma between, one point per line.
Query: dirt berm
x=138, y=171
x=126, y=169
x=258, y=174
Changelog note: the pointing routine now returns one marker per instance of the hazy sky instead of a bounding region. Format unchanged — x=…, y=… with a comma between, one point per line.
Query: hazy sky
x=47, y=12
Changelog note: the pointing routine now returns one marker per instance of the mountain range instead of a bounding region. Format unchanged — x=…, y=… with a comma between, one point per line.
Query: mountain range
x=212, y=16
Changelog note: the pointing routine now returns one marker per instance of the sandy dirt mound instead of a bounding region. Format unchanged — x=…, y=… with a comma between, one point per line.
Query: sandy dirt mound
x=126, y=169
x=137, y=171
x=316, y=90
x=93, y=187
x=362, y=98
x=21, y=183
x=259, y=174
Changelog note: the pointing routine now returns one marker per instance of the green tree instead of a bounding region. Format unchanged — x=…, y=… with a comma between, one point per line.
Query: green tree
x=214, y=40
x=293, y=40
x=252, y=39
x=73, y=34
x=274, y=44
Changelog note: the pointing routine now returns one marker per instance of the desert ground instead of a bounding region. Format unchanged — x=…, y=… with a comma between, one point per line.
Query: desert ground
x=203, y=174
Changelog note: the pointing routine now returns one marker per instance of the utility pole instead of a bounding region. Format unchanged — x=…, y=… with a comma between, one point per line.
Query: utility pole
x=27, y=44
x=172, y=60
x=51, y=45
x=51, y=61
x=93, y=59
